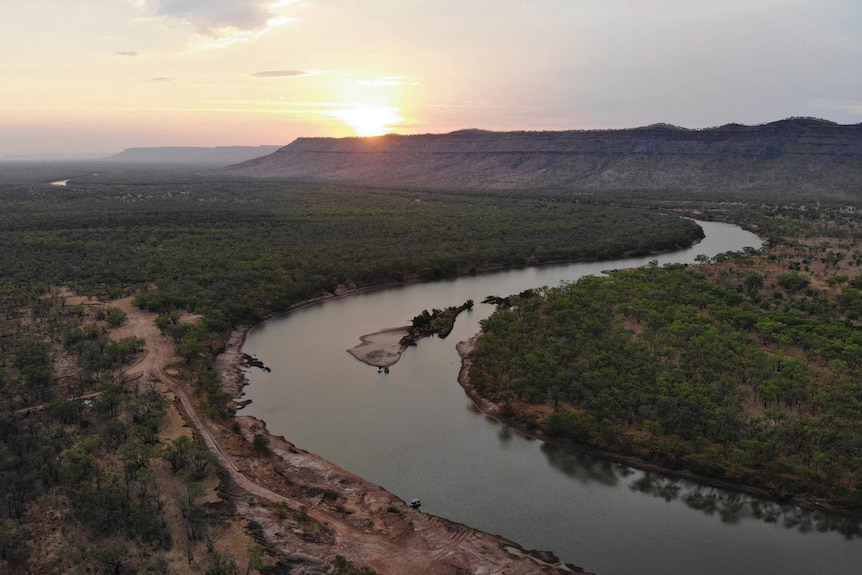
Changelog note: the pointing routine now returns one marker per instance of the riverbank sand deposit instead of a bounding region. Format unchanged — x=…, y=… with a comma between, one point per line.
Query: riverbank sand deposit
x=382, y=348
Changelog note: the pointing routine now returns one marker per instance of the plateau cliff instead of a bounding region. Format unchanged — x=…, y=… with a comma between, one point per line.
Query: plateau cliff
x=799, y=155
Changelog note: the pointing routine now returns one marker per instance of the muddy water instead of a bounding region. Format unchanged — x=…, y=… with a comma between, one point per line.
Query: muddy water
x=416, y=433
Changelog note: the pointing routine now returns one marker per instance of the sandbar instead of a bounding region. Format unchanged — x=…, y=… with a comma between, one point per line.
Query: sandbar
x=382, y=348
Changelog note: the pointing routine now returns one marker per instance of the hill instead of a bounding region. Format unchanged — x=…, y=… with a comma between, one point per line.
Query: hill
x=798, y=154
x=218, y=156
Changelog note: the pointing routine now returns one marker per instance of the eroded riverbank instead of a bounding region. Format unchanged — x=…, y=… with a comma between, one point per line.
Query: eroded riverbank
x=414, y=432
x=359, y=519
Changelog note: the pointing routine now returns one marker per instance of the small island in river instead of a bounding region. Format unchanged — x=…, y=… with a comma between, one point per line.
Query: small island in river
x=383, y=349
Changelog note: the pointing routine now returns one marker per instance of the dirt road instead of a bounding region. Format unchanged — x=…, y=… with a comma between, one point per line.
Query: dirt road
x=369, y=526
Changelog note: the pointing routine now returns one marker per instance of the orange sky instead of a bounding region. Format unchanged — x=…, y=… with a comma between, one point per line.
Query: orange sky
x=104, y=75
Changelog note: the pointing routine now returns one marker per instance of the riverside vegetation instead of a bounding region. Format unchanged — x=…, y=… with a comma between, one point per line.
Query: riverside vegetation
x=748, y=370
x=248, y=249
x=86, y=479
x=436, y=322
x=92, y=467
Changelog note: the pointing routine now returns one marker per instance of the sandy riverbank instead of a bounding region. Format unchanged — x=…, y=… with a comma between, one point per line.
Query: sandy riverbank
x=358, y=519
x=489, y=408
x=382, y=348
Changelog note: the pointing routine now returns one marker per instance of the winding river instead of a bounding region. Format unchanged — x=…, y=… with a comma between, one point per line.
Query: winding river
x=416, y=433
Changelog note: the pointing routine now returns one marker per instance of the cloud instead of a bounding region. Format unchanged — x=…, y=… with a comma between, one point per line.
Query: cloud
x=284, y=73
x=131, y=54
x=163, y=79
x=228, y=21
x=388, y=81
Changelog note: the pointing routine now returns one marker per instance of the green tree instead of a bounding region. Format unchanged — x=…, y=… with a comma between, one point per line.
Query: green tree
x=753, y=284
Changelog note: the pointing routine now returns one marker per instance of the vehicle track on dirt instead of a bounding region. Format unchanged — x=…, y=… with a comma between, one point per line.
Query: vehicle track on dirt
x=428, y=544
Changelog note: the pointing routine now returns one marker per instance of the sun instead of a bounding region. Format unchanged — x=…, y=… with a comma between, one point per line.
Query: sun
x=369, y=120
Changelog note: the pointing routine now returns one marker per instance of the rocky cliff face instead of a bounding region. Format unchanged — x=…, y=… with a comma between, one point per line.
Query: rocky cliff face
x=797, y=155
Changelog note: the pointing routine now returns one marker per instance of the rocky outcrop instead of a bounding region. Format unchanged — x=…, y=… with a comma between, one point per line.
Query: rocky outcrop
x=799, y=155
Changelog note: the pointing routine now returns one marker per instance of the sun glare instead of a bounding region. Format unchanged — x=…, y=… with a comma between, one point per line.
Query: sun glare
x=368, y=120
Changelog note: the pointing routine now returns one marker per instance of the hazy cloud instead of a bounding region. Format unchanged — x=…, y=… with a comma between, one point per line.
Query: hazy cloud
x=129, y=53
x=219, y=18
x=388, y=81
x=280, y=73
x=163, y=79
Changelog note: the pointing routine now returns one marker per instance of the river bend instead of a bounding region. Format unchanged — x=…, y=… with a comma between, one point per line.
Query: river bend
x=415, y=432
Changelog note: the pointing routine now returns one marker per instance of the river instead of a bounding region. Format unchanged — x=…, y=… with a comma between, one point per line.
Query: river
x=415, y=432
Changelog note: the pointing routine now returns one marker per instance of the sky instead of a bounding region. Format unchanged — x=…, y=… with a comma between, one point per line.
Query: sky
x=82, y=76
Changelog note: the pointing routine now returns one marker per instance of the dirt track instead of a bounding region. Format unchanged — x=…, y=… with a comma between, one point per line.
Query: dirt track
x=369, y=526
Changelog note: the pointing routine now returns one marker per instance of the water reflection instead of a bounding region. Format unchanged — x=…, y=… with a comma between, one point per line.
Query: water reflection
x=505, y=434
x=732, y=507
x=729, y=507
x=412, y=433
x=583, y=468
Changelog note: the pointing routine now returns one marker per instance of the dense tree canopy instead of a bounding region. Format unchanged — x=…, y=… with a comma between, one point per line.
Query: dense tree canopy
x=663, y=363
x=78, y=437
x=251, y=248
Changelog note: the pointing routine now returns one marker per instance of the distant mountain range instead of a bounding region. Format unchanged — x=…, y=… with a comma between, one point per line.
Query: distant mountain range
x=214, y=157
x=796, y=155
x=49, y=157
x=218, y=156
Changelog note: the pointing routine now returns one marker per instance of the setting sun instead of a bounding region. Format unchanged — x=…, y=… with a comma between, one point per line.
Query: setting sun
x=368, y=120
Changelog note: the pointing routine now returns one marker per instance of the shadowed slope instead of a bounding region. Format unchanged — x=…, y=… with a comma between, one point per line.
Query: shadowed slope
x=798, y=155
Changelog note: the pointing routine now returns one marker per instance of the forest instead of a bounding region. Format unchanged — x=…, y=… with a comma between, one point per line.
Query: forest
x=746, y=370
x=87, y=481
x=249, y=249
